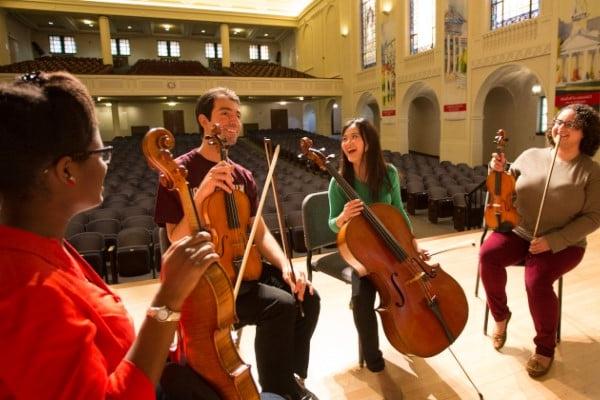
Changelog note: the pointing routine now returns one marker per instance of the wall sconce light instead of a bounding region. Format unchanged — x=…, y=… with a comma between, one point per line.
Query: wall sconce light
x=536, y=89
x=386, y=8
x=344, y=31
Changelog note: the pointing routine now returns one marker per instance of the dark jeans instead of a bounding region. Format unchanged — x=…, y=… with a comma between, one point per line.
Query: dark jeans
x=179, y=382
x=282, y=343
x=365, y=320
x=541, y=270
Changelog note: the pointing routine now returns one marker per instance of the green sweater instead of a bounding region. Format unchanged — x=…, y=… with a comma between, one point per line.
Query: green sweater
x=572, y=207
x=337, y=199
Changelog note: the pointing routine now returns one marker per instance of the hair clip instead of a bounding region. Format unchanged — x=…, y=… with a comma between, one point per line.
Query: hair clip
x=32, y=77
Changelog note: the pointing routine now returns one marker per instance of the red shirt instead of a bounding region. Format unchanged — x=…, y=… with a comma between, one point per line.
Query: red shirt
x=63, y=333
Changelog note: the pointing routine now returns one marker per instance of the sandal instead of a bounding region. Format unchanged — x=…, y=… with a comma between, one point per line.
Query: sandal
x=498, y=339
x=535, y=367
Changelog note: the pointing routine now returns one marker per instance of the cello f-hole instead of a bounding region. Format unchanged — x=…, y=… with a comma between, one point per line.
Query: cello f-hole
x=397, y=287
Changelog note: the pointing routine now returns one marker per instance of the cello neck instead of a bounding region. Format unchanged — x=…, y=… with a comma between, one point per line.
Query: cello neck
x=379, y=227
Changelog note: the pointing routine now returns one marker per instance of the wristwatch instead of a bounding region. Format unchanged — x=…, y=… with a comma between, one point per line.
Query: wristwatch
x=163, y=314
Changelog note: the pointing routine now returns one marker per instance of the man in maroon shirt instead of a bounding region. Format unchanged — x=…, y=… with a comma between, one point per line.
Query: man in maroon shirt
x=282, y=343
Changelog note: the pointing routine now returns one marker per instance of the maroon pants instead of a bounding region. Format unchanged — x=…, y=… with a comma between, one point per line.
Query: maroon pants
x=541, y=270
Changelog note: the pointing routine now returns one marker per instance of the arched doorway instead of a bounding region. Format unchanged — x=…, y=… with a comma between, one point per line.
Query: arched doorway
x=424, y=126
x=506, y=100
x=334, y=112
x=420, y=120
x=367, y=107
x=309, y=118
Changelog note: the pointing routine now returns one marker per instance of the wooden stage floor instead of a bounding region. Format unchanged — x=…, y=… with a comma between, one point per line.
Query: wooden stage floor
x=334, y=372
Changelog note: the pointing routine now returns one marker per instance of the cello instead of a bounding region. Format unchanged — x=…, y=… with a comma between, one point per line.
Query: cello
x=208, y=313
x=230, y=233
x=500, y=214
x=423, y=309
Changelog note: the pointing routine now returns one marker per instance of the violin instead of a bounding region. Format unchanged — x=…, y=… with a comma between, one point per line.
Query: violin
x=500, y=214
x=423, y=309
x=209, y=312
x=227, y=217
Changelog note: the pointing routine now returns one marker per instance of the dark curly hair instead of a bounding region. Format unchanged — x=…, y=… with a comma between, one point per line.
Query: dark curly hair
x=588, y=120
x=206, y=102
x=45, y=116
x=376, y=167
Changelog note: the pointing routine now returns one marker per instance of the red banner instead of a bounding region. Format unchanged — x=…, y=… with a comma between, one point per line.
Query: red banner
x=455, y=107
x=388, y=113
x=589, y=98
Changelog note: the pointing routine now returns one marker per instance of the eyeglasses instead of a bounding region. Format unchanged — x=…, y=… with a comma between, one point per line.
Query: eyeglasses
x=567, y=124
x=105, y=153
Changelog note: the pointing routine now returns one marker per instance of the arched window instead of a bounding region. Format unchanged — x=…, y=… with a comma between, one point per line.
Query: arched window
x=506, y=12
x=422, y=25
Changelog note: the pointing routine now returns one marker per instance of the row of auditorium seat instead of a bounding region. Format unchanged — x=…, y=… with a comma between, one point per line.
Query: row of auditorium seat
x=75, y=65
x=130, y=189
x=166, y=66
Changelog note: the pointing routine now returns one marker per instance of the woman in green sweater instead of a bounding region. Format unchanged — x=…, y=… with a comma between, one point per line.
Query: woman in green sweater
x=362, y=165
x=570, y=213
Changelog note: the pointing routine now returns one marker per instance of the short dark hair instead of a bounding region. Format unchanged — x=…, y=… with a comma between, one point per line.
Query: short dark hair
x=588, y=120
x=206, y=102
x=45, y=116
x=376, y=167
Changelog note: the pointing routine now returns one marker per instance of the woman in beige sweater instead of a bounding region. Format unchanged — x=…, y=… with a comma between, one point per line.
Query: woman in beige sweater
x=571, y=212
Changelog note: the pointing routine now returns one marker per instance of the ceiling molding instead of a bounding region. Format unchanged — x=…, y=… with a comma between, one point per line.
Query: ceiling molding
x=85, y=7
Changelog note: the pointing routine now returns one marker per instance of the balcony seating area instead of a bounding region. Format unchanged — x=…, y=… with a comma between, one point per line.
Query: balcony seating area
x=75, y=65
x=263, y=70
x=168, y=66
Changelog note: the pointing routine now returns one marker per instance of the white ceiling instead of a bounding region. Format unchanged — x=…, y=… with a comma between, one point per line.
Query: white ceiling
x=282, y=8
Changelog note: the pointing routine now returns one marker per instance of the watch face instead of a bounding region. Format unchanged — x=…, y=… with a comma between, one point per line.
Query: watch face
x=162, y=314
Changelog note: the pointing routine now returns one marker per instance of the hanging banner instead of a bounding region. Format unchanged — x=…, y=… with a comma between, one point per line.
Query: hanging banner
x=578, y=64
x=388, y=71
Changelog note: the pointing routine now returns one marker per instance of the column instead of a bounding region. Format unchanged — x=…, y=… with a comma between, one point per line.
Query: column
x=4, y=49
x=226, y=61
x=115, y=118
x=104, y=26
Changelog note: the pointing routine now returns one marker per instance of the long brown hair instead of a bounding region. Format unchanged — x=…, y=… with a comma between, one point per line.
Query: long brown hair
x=376, y=167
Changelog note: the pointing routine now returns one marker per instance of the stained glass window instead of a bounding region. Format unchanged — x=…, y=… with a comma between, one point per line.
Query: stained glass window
x=369, y=39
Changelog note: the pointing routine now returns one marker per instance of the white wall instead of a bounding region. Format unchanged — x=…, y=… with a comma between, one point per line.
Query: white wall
x=22, y=37
x=151, y=114
x=288, y=51
x=136, y=114
x=260, y=113
x=88, y=45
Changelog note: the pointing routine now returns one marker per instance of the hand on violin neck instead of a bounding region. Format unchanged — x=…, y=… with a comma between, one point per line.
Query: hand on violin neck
x=220, y=176
x=497, y=162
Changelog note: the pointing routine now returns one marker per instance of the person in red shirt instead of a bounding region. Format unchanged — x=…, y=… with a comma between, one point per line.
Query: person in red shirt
x=64, y=334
